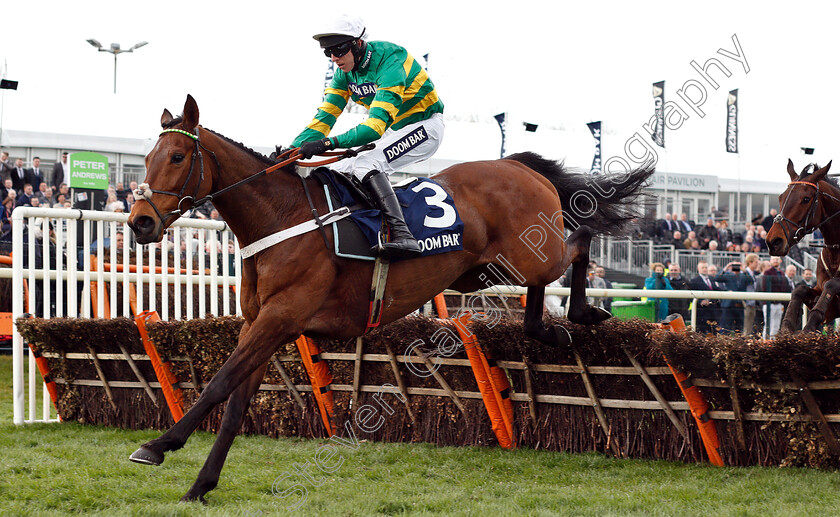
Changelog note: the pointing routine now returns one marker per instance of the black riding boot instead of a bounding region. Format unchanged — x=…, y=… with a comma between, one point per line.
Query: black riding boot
x=403, y=243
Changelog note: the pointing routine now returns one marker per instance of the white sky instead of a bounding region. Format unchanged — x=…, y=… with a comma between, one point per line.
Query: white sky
x=257, y=75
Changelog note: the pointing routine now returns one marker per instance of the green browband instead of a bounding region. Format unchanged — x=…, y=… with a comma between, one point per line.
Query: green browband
x=187, y=133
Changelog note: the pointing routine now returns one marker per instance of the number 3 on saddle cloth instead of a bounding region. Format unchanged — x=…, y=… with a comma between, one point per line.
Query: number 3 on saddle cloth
x=428, y=210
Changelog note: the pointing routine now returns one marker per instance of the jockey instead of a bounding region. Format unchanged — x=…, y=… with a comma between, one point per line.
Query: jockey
x=405, y=118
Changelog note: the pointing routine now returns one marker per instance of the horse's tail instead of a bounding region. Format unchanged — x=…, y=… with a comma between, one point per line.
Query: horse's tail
x=603, y=202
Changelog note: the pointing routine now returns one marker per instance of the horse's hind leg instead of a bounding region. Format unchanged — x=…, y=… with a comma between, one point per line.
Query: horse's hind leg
x=577, y=251
x=793, y=315
x=237, y=405
x=534, y=326
x=577, y=254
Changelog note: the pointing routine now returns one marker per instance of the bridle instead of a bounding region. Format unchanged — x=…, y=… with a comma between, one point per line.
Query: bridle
x=144, y=191
x=806, y=227
x=287, y=157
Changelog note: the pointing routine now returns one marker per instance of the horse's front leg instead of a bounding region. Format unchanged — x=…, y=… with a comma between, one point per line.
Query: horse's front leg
x=793, y=316
x=237, y=405
x=827, y=299
x=255, y=348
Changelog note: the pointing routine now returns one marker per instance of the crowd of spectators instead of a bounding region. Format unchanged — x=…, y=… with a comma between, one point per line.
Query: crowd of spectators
x=729, y=316
x=713, y=234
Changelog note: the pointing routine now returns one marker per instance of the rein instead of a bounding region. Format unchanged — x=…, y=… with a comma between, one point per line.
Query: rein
x=804, y=228
x=291, y=156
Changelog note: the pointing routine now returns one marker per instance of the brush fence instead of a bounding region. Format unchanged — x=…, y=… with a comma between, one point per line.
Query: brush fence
x=457, y=382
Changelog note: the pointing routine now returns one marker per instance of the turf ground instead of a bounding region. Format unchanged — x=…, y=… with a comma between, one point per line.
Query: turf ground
x=72, y=469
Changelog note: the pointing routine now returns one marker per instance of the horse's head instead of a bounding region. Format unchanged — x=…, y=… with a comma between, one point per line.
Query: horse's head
x=177, y=174
x=800, y=211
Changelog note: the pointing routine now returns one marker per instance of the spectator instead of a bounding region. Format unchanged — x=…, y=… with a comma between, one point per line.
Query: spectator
x=677, y=240
x=553, y=303
x=686, y=225
x=595, y=282
x=113, y=204
x=601, y=273
x=680, y=283
x=761, y=241
x=64, y=188
x=666, y=227
x=61, y=172
x=753, y=320
x=732, y=311
x=767, y=222
x=60, y=200
x=707, y=310
x=6, y=216
x=35, y=177
x=25, y=196
x=790, y=274
x=19, y=175
x=725, y=234
x=713, y=245
x=807, y=278
x=6, y=167
x=44, y=195
x=658, y=281
x=6, y=188
x=772, y=281
x=707, y=233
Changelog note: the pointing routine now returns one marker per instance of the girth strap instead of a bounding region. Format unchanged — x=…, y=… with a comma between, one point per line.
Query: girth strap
x=299, y=229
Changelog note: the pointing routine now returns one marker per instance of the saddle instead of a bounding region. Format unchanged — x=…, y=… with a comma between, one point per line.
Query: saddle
x=429, y=212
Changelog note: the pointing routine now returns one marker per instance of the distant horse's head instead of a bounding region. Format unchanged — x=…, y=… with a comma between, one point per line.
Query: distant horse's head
x=178, y=172
x=801, y=210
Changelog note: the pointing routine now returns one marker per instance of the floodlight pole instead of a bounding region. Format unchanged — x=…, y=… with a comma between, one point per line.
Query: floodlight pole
x=116, y=50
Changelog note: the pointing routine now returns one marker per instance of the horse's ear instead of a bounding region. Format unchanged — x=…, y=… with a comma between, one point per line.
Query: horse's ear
x=166, y=118
x=190, y=113
x=791, y=170
x=820, y=174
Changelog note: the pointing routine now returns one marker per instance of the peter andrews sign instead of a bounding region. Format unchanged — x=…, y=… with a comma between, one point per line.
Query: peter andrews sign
x=88, y=170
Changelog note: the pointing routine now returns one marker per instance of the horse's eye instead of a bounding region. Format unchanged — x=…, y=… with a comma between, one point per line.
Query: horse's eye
x=177, y=158
x=805, y=200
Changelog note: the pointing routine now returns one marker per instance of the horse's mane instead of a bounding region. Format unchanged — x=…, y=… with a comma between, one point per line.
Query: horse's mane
x=813, y=167
x=292, y=168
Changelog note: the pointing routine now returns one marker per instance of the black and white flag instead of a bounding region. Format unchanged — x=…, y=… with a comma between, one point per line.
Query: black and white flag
x=500, y=118
x=732, y=122
x=659, y=112
x=595, y=128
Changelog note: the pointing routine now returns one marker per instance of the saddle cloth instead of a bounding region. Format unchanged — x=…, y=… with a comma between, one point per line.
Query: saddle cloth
x=429, y=212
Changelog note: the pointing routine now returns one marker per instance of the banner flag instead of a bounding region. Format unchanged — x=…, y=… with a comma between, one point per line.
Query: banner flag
x=659, y=111
x=595, y=128
x=500, y=118
x=732, y=122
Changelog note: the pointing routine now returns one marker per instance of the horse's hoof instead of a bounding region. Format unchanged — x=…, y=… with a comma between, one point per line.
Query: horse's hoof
x=146, y=456
x=189, y=498
x=562, y=336
x=600, y=314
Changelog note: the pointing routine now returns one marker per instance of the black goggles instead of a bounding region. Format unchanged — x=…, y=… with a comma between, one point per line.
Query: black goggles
x=339, y=50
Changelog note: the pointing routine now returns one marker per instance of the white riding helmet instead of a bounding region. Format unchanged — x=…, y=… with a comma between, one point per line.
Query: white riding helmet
x=343, y=28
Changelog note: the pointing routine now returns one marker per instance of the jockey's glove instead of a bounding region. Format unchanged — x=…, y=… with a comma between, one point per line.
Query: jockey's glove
x=316, y=147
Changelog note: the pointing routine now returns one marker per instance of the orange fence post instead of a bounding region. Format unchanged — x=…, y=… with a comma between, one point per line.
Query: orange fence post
x=440, y=306
x=106, y=309
x=492, y=383
x=163, y=371
x=696, y=401
x=321, y=380
x=43, y=367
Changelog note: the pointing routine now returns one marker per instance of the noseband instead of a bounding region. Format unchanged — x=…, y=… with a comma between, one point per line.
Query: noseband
x=145, y=192
x=806, y=227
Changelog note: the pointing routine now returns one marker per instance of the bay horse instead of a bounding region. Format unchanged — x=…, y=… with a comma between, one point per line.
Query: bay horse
x=513, y=218
x=811, y=200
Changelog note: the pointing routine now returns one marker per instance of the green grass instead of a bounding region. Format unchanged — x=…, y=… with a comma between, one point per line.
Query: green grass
x=61, y=469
